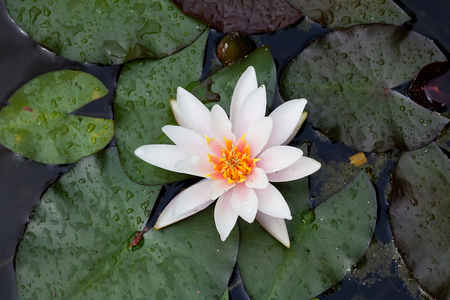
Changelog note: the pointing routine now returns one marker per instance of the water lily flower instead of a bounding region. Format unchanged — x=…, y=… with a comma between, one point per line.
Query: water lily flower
x=238, y=157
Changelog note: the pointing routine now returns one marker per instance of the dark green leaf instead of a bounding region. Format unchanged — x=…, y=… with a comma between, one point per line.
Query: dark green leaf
x=346, y=13
x=141, y=107
x=420, y=217
x=107, y=32
x=348, y=77
x=76, y=245
x=36, y=124
x=325, y=243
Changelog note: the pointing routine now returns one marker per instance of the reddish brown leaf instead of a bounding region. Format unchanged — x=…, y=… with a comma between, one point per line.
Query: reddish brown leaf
x=244, y=16
x=424, y=89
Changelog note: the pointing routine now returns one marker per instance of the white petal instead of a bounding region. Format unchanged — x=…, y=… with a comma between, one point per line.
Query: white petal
x=297, y=128
x=195, y=165
x=224, y=216
x=244, y=202
x=257, y=179
x=220, y=124
x=219, y=187
x=245, y=85
x=258, y=134
x=278, y=157
x=177, y=112
x=162, y=156
x=271, y=202
x=188, y=140
x=285, y=117
x=193, y=199
x=195, y=115
x=303, y=167
x=275, y=226
x=253, y=109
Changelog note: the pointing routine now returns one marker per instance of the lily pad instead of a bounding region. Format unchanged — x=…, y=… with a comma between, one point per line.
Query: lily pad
x=142, y=100
x=107, y=32
x=37, y=125
x=345, y=13
x=349, y=77
x=420, y=217
x=325, y=243
x=141, y=106
x=251, y=16
x=76, y=245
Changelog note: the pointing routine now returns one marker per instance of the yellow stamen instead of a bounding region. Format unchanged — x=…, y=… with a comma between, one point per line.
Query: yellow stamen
x=208, y=140
x=235, y=164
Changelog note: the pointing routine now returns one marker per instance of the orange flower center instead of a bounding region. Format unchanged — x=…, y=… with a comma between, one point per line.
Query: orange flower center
x=235, y=162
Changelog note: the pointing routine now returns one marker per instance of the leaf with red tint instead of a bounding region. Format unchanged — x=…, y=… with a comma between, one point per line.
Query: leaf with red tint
x=244, y=16
x=424, y=89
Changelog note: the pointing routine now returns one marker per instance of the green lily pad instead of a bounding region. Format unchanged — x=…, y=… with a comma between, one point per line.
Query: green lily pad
x=141, y=106
x=142, y=100
x=325, y=243
x=345, y=13
x=420, y=217
x=107, y=32
x=37, y=125
x=349, y=75
x=76, y=245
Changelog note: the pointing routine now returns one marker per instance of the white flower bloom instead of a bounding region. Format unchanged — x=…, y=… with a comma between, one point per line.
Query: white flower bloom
x=237, y=158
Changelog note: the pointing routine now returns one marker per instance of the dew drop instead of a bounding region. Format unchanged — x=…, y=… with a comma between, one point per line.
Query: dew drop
x=413, y=201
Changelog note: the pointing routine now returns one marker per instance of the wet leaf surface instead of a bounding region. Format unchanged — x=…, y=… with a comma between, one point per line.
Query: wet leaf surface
x=37, y=125
x=107, y=32
x=345, y=13
x=141, y=107
x=420, y=217
x=349, y=77
x=245, y=16
x=325, y=243
x=76, y=244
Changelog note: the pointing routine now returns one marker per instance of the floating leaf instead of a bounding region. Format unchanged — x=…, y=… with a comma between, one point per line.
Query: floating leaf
x=76, y=244
x=346, y=13
x=250, y=16
x=107, y=32
x=141, y=106
x=325, y=243
x=37, y=125
x=142, y=101
x=348, y=77
x=420, y=217
x=425, y=87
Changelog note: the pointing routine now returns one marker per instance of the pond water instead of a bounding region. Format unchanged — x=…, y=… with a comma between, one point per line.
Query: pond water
x=380, y=274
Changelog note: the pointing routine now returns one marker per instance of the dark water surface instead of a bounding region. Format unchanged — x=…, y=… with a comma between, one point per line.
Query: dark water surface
x=23, y=181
